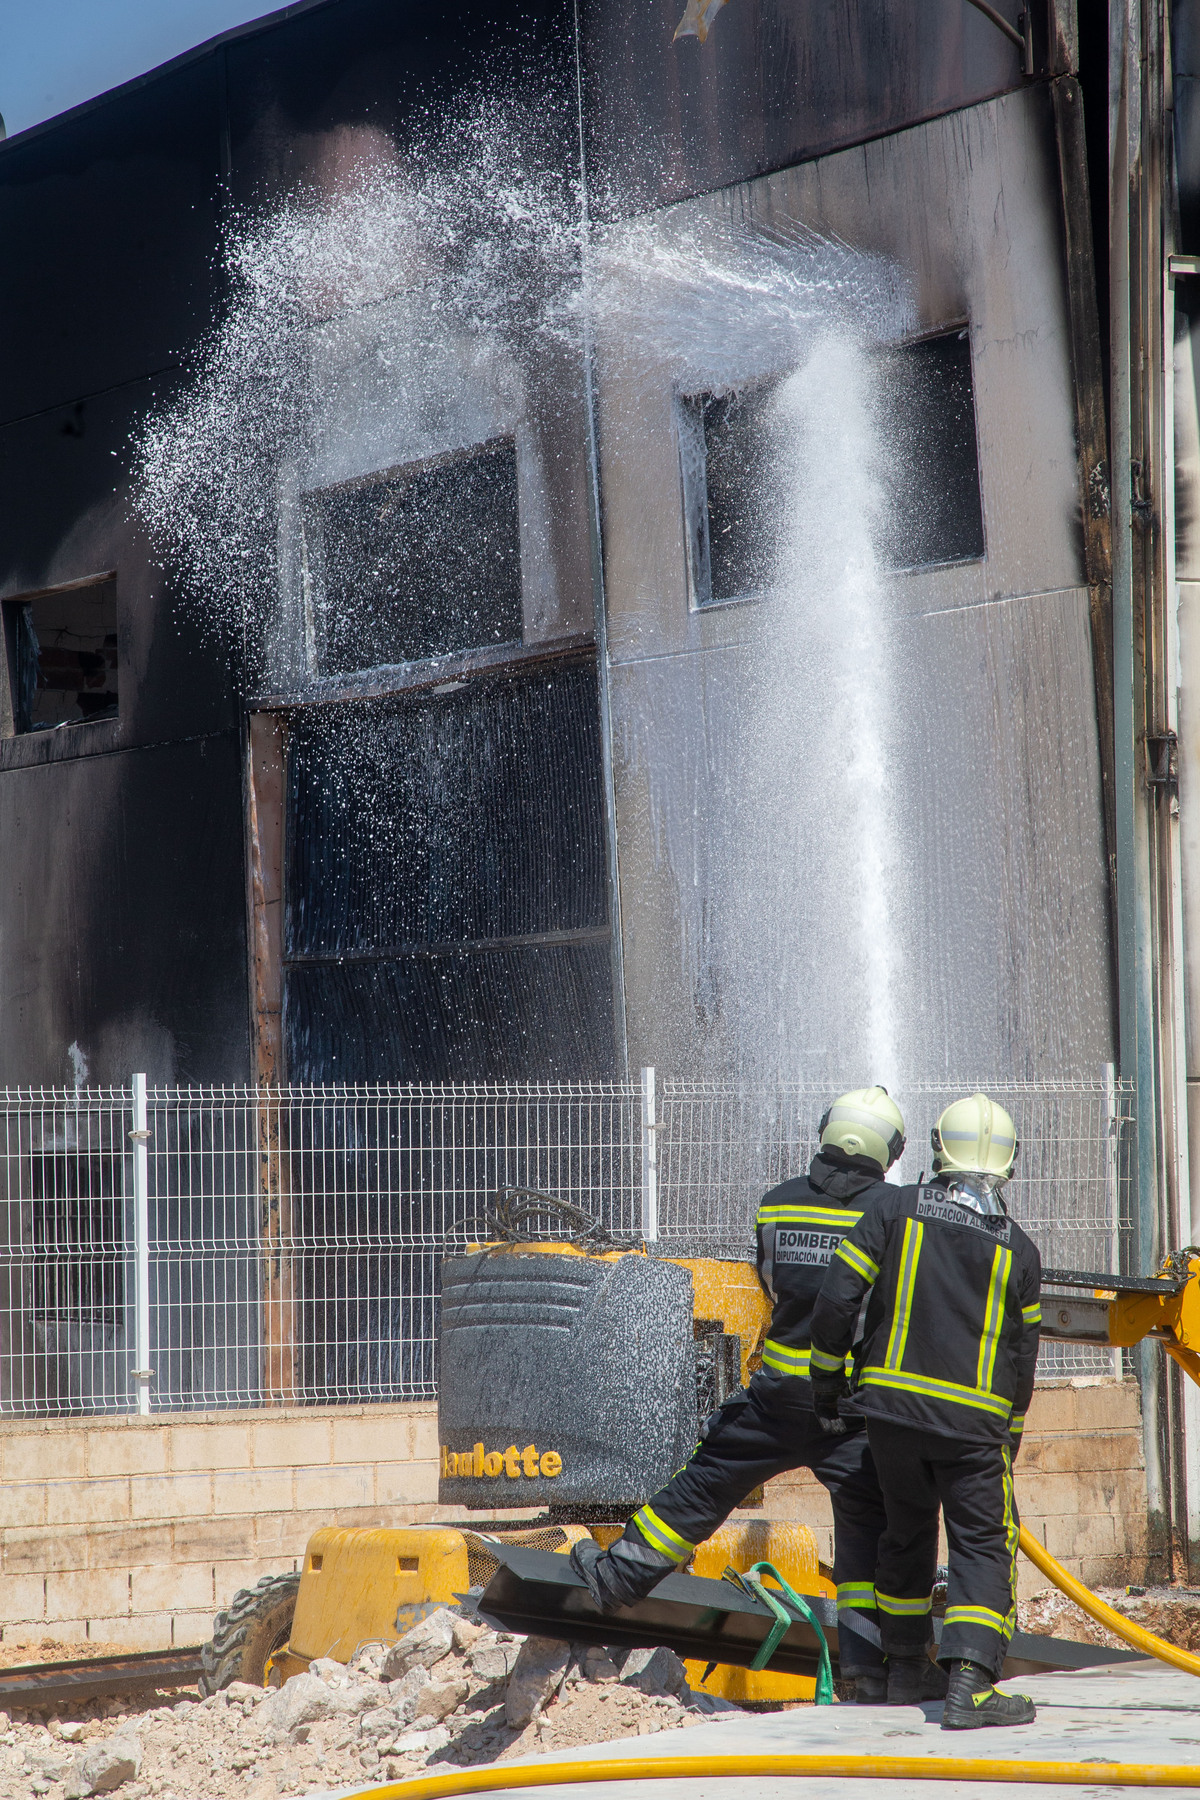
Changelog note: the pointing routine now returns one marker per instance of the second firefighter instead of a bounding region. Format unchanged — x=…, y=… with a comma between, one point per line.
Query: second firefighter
x=943, y=1373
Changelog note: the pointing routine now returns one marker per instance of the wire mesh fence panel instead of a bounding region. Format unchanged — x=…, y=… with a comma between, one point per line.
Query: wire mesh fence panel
x=295, y=1237
x=66, y=1279
x=721, y=1148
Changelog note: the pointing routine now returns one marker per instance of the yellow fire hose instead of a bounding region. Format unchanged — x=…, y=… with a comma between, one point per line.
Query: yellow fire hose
x=852, y=1768
x=1121, y=1627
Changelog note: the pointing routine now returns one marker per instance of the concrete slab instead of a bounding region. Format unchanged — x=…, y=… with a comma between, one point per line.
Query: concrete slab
x=1135, y=1713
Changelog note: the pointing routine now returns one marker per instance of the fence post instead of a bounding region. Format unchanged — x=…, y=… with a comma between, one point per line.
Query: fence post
x=1111, y=1152
x=649, y=1159
x=140, y=1136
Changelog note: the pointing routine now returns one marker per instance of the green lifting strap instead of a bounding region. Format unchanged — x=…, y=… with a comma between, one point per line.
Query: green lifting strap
x=750, y=1580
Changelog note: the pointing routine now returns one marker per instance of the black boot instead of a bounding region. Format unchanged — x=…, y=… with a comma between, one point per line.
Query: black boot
x=935, y=1683
x=870, y=1687
x=906, y=1677
x=614, y=1579
x=972, y=1701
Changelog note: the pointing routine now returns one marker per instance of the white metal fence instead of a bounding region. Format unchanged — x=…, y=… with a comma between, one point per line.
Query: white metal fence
x=173, y=1248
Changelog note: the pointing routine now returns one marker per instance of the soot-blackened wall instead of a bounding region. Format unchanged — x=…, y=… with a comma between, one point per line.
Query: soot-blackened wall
x=123, y=875
x=122, y=865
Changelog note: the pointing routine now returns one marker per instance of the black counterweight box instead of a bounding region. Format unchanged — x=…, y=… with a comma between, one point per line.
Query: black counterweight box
x=566, y=1379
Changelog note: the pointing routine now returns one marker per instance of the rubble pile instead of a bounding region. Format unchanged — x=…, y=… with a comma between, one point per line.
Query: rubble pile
x=451, y=1693
x=1170, y=1613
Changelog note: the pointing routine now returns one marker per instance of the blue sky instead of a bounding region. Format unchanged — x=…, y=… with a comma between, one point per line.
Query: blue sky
x=55, y=53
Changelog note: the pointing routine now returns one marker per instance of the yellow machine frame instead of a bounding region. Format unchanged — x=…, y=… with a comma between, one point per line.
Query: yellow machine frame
x=360, y=1586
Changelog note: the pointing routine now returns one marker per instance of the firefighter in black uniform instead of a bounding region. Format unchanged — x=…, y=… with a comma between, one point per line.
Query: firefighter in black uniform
x=943, y=1374
x=769, y=1427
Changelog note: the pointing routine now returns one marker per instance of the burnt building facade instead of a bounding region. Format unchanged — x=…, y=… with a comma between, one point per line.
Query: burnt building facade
x=708, y=581
x=454, y=801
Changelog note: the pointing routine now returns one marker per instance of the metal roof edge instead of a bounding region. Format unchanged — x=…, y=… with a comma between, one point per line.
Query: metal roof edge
x=251, y=28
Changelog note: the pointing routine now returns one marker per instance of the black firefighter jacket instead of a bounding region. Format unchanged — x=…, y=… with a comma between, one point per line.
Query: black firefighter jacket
x=799, y=1226
x=952, y=1321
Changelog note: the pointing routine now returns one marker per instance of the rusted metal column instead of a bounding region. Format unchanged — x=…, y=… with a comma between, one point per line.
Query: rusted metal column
x=1091, y=425
x=265, y=786
x=1091, y=431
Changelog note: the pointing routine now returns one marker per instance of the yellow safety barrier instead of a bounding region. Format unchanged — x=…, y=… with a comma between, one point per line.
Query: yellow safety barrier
x=850, y=1768
x=1115, y=1622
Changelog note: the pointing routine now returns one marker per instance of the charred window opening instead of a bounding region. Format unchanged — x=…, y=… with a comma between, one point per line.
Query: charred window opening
x=927, y=470
x=78, y=1234
x=730, y=495
x=930, y=463
x=61, y=652
x=446, y=909
x=419, y=562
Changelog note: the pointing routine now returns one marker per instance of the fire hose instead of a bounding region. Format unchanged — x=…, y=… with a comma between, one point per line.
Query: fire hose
x=718, y=1768
x=1135, y=1635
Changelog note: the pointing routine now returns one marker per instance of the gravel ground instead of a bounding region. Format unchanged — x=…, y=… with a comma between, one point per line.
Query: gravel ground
x=486, y=1696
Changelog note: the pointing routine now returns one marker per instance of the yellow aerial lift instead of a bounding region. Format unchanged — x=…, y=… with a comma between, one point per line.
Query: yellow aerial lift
x=572, y=1376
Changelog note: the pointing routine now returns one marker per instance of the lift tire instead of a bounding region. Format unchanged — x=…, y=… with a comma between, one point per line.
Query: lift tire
x=257, y=1623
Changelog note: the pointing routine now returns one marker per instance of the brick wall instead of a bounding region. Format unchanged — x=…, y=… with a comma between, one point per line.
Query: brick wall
x=135, y=1531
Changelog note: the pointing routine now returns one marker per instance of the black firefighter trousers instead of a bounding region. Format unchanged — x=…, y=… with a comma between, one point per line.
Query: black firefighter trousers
x=764, y=1432
x=972, y=1483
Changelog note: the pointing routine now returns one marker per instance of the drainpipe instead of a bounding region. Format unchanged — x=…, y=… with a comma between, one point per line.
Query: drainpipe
x=1182, y=442
x=1135, y=987
x=599, y=607
x=1145, y=667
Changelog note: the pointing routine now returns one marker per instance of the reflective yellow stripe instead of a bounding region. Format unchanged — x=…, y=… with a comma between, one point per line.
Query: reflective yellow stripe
x=903, y=1609
x=1017, y=1424
x=809, y=1215
x=975, y=1615
x=856, y=1594
x=659, y=1534
x=914, y=1234
x=1032, y=1315
x=826, y=1363
x=936, y=1390
x=783, y=1358
x=993, y=1317
x=857, y=1259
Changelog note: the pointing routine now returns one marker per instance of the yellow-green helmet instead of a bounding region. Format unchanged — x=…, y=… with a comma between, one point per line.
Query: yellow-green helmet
x=866, y=1122
x=975, y=1136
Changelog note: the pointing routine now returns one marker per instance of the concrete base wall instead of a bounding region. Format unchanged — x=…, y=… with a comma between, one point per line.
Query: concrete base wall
x=1080, y=1484
x=136, y=1531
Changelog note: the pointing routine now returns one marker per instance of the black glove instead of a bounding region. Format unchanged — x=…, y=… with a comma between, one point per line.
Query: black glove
x=827, y=1390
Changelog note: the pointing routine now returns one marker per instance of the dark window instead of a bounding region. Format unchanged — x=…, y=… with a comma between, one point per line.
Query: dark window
x=447, y=888
x=730, y=493
x=78, y=1236
x=928, y=471
x=416, y=563
x=930, y=466
x=62, y=657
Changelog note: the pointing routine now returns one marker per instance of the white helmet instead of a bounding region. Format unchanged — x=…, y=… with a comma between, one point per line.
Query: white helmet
x=866, y=1122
